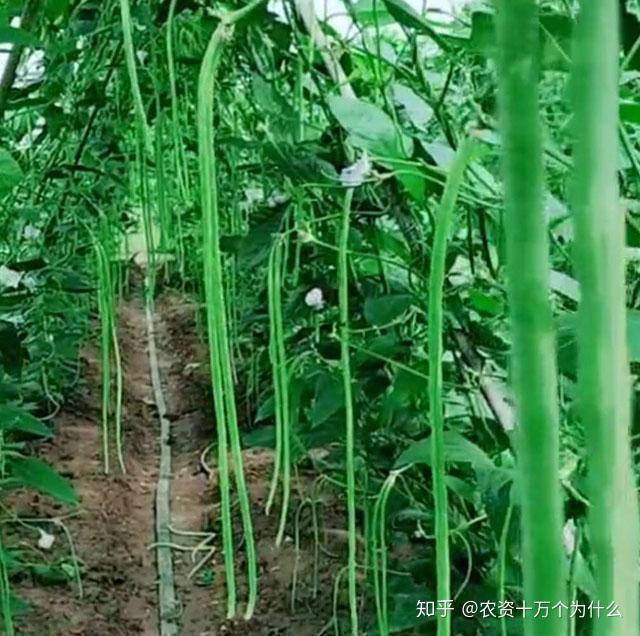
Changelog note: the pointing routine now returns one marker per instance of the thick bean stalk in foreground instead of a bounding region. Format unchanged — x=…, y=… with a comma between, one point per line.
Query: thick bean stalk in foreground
x=444, y=221
x=533, y=357
x=221, y=370
x=604, y=381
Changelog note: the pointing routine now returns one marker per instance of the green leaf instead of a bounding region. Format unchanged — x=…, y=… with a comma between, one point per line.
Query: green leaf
x=263, y=437
x=56, y=8
x=407, y=16
x=370, y=128
x=10, y=172
x=463, y=489
x=457, y=449
x=630, y=113
x=565, y=285
x=365, y=12
x=20, y=37
x=486, y=303
x=13, y=418
x=34, y=473
x=329, y=399
x=385, y=309
x=417, y=110
x=266, y=409
x=410, y=176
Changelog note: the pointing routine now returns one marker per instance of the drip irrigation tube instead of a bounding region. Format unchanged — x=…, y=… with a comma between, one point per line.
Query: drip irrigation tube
x=167, y=604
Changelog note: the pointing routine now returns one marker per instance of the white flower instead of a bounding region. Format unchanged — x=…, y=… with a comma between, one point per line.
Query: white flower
x=277, y=198
x=314, y=299
x=355, y=174
x=46, y=540
x=9, y=278
x=31, y=232
x=569, y=536
x=142, y=57
x=304, y=236
x=254, y=195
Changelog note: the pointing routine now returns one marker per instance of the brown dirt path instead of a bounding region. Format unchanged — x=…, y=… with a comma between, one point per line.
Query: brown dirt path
x=114, y=527
x=194, y=508
x=114, y=524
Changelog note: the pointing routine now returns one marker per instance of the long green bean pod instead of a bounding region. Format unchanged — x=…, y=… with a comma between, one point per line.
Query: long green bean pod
x=444, y=222
x=283, y=380
x=221, y=368
x=281, y=388
x=105, y=244
x=533, y=354
x=130, y=57
x=147, y=217
x=277, y=389
x=378, y=534
x=604, y=380
x=180, y=161
x=178, y=150
x=165, y=221
x=212, y=280
x=345, y=357
x=105, y=351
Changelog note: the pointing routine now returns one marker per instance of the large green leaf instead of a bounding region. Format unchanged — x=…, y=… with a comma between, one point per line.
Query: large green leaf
x=457, y=449
x=329, y=399
x=418, y=112
x=13, y=418
x=14, y=35
x=10, y=172
x=34, y=473
x=384, y=309
x=370, y=127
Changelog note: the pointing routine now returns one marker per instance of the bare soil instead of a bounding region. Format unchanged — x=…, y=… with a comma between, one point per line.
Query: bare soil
x=114, y=527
